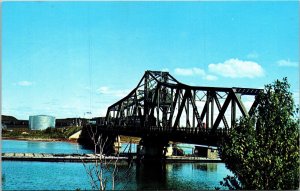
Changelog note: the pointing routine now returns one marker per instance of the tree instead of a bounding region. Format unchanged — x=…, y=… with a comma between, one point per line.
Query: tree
x=262, y=151
x=104, y=173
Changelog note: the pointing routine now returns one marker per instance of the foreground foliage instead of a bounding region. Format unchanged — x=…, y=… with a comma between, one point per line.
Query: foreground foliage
x=262, y=151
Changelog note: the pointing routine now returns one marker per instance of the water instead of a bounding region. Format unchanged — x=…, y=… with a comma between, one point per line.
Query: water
x=72, y=176
x=9, y=146
x=187, y=148
x=126, y=147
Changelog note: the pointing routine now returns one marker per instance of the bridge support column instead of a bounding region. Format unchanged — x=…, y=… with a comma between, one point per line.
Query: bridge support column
x=107, y=143
x=152, y=148
x=117, y=145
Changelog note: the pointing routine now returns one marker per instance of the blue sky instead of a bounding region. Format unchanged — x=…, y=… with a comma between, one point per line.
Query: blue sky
x=68, y=58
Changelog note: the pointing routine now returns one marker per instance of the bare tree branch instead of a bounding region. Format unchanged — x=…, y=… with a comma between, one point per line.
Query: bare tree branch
x=104, y=170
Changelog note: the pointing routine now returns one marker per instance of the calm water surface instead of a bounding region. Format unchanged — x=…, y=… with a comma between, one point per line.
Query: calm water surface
x=72, y=176
x=9, y=146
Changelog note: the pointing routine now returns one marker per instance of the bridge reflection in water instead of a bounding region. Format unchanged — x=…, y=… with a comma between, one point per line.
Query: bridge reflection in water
x=209, y=167
x=161, y=109
x=179, y=176
x=152, y=176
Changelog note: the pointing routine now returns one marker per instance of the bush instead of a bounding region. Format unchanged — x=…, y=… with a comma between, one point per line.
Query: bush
x=262, y=151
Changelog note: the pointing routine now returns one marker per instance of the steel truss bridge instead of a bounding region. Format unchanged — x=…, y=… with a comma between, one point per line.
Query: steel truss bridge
x=161, y=107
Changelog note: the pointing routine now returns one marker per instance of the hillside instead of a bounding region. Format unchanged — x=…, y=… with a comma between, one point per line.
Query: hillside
x=8, y=118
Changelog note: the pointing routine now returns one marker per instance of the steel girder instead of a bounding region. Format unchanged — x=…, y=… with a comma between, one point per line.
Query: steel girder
x=160, y=101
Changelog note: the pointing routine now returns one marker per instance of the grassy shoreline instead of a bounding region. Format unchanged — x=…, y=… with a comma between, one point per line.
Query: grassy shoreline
x=124, y=139
x=49, y=134
x=38, y=139
x=52, y=135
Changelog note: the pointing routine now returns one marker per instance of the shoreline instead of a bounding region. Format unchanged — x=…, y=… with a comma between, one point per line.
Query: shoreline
x=54, y=140
x=38, y=139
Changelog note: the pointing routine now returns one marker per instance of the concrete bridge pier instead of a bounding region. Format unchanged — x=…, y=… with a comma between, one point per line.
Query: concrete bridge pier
x=107, y=143
x=110, y=144
x=152, y=148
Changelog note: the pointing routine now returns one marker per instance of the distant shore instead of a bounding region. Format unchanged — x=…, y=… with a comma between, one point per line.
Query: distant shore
x=38, y=139
x=124, y=139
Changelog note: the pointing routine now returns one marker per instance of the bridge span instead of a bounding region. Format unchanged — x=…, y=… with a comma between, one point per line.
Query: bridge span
x=162, y=109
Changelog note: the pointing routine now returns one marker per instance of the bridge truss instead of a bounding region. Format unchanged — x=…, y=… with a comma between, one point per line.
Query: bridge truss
x=163, y=106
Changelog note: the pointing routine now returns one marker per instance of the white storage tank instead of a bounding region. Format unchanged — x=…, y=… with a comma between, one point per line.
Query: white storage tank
x=41, y=122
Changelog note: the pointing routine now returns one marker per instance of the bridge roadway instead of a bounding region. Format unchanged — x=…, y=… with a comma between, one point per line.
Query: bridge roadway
x=199, y=136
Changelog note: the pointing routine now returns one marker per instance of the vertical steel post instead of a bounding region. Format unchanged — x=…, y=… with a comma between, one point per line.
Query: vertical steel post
x=178, y=107
x=194, y=98
x=212, y=108
x=127, y=109
x=187, y=110
x=233, y=112
x=207, y=110
x=172, y=108
x=157, y=108
x=164, y=96
x=146, y=98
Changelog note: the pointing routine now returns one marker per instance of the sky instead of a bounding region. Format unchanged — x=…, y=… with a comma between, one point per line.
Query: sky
x=67, y=59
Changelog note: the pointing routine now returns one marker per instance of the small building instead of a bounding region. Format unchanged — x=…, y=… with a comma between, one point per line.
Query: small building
x=41, y=122
x=97, y=120
x=206, y=151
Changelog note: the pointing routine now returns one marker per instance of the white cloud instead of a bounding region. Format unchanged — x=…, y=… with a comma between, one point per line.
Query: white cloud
x=199, y=71
x=235, y=68
x=24, y=83
x=211, y=77
x=287, y=63
x=195, y=72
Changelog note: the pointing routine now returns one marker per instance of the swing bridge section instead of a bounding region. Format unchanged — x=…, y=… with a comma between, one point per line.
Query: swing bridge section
x=162, y=108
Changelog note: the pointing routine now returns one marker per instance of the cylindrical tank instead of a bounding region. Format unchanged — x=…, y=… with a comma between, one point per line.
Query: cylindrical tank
x=41, y=122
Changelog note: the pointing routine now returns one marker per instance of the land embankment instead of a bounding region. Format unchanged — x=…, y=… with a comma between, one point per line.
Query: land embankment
x=127, y=139
x=49, y=134
x=36, y=139
x=52, y=134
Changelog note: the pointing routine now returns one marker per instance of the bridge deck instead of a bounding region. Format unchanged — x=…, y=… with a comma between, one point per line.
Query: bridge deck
x=185, y=135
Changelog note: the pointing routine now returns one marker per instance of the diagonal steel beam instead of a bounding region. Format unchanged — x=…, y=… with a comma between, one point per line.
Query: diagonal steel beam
x=222, y=111
x=153, y=103
x=253, y=107
x=173, y=106
x=241, y=105
x=186, y=94
x=203, y=113
x=195, y=110
x=219, y=108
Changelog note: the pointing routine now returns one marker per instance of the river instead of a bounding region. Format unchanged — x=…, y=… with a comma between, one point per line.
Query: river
x=72, y=176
